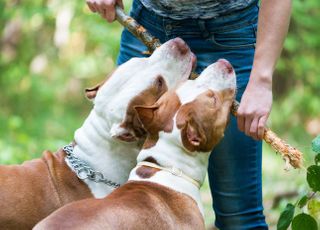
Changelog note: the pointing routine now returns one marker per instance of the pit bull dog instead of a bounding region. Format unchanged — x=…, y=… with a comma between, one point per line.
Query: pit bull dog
x=163, y=189
x=105, y=147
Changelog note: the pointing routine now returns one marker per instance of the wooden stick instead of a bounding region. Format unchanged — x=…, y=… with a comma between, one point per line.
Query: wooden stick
x=137, y=30
x=291, y=155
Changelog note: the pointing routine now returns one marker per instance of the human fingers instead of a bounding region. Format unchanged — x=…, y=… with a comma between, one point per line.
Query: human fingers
x=253, y=130
x=261, y=126
x=247, y=124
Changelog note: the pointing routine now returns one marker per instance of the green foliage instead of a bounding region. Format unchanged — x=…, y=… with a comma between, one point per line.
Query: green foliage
x=314, y=208
x=42, y=78
x=317, y=158
x=316, y=144
x=296, y=84
x=313, y=177
x=303, y=201
x=304, y=221
x=286, y=217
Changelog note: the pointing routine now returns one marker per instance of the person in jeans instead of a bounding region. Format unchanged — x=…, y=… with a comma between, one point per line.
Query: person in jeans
x=251, y=39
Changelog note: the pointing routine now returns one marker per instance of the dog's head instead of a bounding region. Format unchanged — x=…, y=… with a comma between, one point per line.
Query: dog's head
x=204, y=114
x=141, y=81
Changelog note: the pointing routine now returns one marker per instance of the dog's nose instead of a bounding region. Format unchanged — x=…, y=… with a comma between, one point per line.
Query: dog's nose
x=181, y=45
x=226, y=65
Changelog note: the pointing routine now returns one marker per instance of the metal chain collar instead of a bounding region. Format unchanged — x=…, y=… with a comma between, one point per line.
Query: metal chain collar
x=83, y=170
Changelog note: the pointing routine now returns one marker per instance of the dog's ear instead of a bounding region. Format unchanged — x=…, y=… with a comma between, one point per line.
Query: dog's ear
x=192, y=134
x=146, y=114
x=91, y=92
x=183, y=117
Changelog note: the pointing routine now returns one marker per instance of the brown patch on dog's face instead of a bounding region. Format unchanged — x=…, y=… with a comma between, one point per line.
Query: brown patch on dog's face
x=203, y=120
x=146, y=98
x=158, y=117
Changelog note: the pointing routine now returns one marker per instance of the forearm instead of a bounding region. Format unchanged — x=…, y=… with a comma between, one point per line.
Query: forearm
x=273, y=23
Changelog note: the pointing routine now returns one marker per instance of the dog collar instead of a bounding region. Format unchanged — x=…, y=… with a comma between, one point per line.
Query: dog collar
x=173, y=170
x=83, y=170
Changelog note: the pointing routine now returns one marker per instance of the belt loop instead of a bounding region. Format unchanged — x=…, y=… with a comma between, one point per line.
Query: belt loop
x=203, y=28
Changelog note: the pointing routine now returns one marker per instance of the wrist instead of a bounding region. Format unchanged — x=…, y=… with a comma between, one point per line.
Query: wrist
x=262, y=69
x=260, y=79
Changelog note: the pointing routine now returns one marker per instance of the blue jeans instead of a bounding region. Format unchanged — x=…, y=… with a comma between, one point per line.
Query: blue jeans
x=235, y=164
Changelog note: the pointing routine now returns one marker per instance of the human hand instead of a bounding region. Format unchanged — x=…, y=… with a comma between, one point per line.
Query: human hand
x=106, y=8
x=255, y=107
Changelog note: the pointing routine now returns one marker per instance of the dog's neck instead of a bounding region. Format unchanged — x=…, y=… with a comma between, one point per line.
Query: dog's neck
x=96, y=147
x=168, y=153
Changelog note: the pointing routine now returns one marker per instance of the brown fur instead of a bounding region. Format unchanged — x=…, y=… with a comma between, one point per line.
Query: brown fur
x=31, y=191
x=158, y=117
x=145, y=98
x=145, y=171
x=203, y=120
x=135, y=205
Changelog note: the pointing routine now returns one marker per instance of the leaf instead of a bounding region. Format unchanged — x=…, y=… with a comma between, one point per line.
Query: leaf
x=303, y=201
x=314, y=208
x=304, y=222
x=286, y=217
x=316, y=144
x=313, y=177
x=317, y=158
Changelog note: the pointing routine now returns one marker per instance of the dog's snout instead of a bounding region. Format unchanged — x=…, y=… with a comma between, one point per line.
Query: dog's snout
x=182, y=47
x=226, y=65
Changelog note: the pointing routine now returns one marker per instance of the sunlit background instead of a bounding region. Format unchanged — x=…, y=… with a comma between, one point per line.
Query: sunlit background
x=51, y=50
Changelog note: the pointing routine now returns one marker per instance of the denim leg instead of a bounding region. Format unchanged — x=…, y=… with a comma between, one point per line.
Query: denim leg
x=130, y=47
x=235, y=181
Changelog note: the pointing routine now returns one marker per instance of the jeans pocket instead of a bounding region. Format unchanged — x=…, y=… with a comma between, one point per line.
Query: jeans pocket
x=235, y=38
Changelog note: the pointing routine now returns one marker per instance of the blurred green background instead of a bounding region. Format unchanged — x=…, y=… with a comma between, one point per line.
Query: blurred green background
x=51, y=50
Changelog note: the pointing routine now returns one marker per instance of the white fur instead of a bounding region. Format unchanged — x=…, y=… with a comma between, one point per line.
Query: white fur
x=169, y=151
x=214, y=77
x=95, y=145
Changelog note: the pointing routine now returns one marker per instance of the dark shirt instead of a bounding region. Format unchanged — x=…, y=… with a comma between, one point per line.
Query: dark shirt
x=203, y=9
